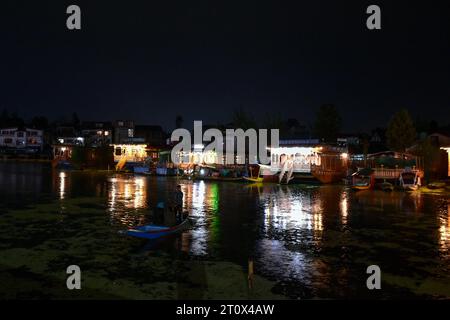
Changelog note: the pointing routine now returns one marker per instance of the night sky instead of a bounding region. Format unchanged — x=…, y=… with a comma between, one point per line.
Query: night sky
x=151, y=60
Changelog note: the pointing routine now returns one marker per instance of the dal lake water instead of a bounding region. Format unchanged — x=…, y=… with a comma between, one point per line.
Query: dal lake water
x=304, y=241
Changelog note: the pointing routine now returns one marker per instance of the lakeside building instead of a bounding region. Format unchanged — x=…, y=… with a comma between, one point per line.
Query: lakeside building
x=436, y=144
x=21, y=140
x=123, y=131
x=97, y=134
x=138, y=148
x=152, y=135
x=447, y=149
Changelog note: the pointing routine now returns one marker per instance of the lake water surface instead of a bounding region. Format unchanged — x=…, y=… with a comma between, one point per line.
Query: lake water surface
x=304, y=241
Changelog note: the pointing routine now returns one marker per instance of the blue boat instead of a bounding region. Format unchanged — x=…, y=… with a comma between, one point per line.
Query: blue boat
x=153, y=231
x=141, y=170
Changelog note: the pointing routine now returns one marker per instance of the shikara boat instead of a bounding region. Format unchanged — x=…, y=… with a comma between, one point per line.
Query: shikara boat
x=217, y=178
x=254, y=178
x=409, y=180
x=436, y=185
x=386, y=186
x=153, y=231
x=361, y=186
x=363, y=179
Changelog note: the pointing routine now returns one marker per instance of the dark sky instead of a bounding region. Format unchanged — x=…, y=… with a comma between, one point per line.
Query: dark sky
x=151, y=60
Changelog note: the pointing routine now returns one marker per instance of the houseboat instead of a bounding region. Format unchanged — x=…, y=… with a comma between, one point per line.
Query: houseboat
x=306, y=160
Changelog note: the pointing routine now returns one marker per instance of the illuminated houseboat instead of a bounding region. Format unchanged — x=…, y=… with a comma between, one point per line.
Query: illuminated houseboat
x=305, y=159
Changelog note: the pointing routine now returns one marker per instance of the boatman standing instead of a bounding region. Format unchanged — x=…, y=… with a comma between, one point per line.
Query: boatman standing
x=178, y=202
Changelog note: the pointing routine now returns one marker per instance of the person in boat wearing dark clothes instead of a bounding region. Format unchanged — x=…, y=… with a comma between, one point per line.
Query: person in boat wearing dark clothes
x=178, y=203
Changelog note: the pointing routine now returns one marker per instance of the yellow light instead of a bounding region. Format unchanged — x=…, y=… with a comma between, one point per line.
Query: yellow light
x=344, y=155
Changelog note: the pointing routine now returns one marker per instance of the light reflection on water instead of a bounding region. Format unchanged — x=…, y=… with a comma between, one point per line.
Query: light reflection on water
x=196, y=200
x=290, y=214
x=286, y=210
x=444, y=230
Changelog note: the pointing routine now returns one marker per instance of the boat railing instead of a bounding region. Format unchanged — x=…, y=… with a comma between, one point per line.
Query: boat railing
x=385, y=173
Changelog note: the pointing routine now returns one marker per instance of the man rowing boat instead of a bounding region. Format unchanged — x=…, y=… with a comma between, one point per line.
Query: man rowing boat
x=178, y=203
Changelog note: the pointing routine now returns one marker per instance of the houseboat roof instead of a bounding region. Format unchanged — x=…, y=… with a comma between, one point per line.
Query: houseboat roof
x=391, y=154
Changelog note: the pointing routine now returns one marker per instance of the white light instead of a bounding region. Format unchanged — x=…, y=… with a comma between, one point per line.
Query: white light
x=344, y=155
x=202, y=171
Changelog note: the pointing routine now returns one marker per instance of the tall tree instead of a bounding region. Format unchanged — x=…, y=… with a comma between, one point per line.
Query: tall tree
x=328, y=123
x=275, y=121
x=428, y=154
x=401, y=132
x=39, y=122
x=16, y=121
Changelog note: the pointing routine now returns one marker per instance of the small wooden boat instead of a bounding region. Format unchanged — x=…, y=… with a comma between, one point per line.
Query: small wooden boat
x=363, y=179
x=361, y=186
x=141, y=170
x=409, y=180
x=214, y=178
x=386, y=186
x=437, y=185
x=153, y=231
x=254, y=178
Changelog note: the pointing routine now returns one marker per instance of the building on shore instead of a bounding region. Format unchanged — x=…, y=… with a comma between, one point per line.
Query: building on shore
x=21, y=140
x=96, y=133
x=447, y=149
x=137, y=146
x=123, y=131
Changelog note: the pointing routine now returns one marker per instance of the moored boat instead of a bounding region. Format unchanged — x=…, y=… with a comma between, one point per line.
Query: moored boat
x=254, y=178
x=217, y=178
x=386, y=186
x=436, y=185
x=409, y=180
x=154, y=231
x=141, y=170
x=363, y=179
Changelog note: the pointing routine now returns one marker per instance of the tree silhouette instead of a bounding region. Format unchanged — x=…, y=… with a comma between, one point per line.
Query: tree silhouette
x=328, y=123
x=400, y=133
x=242, y=120
x=40, y=122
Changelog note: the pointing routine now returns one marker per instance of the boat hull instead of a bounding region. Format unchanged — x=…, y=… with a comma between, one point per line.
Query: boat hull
x=386, y=186
x=359, y=188
x=209, y=178
x=254, y=180
x=141, y=170
x=328, y=176
x=155, y=232
x=412, y=187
